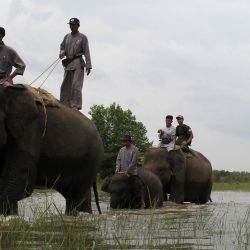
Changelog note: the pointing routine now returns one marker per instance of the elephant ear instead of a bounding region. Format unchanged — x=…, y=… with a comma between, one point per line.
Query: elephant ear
x=21, y=109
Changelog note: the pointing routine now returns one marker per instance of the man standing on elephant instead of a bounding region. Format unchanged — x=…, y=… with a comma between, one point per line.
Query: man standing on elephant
x=126, y=162
x=8, y=59
x=184, y=134
x=167, y=134
x=74, y=46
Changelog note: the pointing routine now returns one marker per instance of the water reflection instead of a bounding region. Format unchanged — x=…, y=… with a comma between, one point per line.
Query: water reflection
x=222, y=224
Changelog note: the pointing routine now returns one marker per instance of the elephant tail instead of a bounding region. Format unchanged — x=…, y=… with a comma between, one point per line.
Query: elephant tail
x=96, y=197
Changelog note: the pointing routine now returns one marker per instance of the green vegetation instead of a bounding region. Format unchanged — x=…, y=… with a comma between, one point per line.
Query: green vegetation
x=231, y=181
x=191, y=227
x=231, y=177
x=231, y=186
x=113, y=122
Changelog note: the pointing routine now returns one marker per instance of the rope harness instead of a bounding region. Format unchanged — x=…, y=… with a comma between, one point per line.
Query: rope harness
x=51, y=68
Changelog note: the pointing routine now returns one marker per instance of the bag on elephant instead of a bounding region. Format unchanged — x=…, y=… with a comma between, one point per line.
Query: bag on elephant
x=166, y=140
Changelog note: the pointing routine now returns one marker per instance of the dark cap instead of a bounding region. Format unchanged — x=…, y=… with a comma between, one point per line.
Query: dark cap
x=126, y=137
x=74, y=20
x=2, y=31
x=169, y=117
x=179, y=117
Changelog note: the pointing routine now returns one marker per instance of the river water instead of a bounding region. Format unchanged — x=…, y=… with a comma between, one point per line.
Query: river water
x=221, y=224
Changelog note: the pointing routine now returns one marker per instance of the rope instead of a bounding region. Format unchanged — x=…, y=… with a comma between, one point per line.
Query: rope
x=51, y=65
x=58, y=60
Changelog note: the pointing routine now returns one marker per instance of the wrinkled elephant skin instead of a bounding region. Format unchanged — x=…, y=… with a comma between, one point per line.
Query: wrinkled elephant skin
x=52, y=147
x=184, y=178
x=126, y=191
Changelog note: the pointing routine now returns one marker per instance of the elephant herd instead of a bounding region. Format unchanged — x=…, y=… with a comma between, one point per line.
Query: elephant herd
x=165, y=175
x=46, y=144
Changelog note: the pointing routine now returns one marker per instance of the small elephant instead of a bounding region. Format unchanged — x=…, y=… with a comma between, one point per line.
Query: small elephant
x=45, y=145
x=184, y=178
x=126, y=191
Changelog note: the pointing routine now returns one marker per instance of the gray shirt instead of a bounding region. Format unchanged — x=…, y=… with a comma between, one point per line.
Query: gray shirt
x=127, y=159
x=168, y=132
x=76, y=45
x=8, y=59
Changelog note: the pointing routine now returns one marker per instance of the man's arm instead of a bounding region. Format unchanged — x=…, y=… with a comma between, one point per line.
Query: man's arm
x=118, y=162
x=62, y=49
x=191, y=136
x=19, y=64
x=87, y=56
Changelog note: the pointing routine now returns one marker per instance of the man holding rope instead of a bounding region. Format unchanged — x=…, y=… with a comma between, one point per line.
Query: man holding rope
x=74, y=46
x=8, y=59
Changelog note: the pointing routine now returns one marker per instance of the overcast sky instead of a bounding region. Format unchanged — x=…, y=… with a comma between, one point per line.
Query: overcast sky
x=154, y=57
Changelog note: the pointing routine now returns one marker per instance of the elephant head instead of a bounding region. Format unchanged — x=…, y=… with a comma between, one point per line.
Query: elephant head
x=19, y=137
x=155, y=160
x=125, y=191
x=170, y=167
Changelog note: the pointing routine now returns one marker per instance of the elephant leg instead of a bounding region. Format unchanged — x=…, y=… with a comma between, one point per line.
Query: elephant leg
x=8, y=207
x=77, y=201
x=178, y=167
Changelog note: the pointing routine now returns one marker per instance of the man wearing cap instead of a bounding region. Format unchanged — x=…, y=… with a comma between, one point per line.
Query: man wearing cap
x=167, y=134
x=73, y=47
x=127, y=157
x=126, y=163
x=8, y=59
x=184, y=134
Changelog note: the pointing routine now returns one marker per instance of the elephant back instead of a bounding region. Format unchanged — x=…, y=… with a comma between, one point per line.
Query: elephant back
x=198, y=168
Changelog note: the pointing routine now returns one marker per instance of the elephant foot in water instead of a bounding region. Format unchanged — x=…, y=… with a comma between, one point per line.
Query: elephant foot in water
x=8, y=208
x=74, y=206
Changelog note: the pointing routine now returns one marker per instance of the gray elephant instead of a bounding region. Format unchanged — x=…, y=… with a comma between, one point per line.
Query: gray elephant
x=125, y=191
x=45, y=144
x=185, y=178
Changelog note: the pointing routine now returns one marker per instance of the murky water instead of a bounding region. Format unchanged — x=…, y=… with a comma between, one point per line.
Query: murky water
x=222, y=224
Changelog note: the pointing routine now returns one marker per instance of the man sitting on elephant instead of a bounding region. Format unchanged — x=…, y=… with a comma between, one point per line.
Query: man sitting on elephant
x=167, y=134
x=184, y=134
x=126, y=162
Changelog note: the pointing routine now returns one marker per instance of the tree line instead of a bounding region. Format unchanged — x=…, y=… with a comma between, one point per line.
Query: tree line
x=235, y=176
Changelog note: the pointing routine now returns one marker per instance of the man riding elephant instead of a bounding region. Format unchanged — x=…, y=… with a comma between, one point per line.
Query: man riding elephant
x=167, y=134
x=126, y=162
x=184, y=134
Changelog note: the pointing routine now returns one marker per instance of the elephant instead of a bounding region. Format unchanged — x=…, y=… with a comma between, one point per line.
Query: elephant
x=126, y=191
x=186, y=178
x=45, y=144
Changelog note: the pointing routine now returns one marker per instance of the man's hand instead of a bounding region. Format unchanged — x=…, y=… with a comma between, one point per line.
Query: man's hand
x=88, y=70
x=62, y=55
x=8, y=80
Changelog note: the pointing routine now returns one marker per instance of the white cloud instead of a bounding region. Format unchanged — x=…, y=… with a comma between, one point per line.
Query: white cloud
x=170, y=57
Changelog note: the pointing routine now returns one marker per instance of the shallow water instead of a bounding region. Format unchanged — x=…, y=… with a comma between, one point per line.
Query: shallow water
x=221, y=224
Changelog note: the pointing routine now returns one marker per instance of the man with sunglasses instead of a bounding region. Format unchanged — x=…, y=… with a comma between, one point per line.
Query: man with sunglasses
x=74, y=46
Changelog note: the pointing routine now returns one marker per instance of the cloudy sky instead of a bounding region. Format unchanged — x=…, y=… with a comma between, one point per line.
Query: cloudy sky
x=154, y=57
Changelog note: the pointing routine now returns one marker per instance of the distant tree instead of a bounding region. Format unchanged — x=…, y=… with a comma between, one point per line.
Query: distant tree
x=113, y=122
x=226, y=176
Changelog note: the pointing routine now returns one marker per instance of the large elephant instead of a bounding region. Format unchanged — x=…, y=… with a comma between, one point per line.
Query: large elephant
x=185, y=178
x=45, y=144
x=126, y=191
